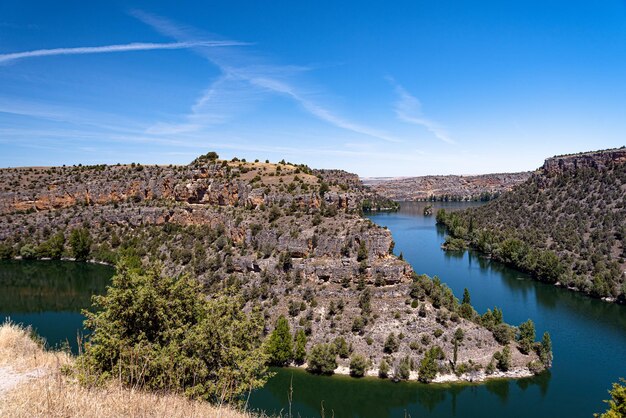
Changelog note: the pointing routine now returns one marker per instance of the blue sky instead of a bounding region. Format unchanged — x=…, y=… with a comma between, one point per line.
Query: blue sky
x=376, y=88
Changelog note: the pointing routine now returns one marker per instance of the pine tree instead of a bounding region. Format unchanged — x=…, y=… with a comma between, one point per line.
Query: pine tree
x=526, y=336
x=280, y=347
x=299, y=353
x=545, y=351
x=466, y=297
x=458, y=339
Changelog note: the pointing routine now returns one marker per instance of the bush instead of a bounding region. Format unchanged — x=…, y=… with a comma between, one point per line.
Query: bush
x=341, y=347
x=428, y=365
x=322, y=359
x=358, y=324
x=279, y=346
x=358, y=365
x=299, y=353
x=383, y=369
x=80, y=243
x=503, y=334
x=161, y=333
x=403, y=369
x=503, y=359
x=617, y=403
x=28, y=252
x=526, y=336
x=391, y=344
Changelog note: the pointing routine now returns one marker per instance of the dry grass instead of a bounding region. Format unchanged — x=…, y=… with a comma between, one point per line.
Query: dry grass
x=56, y=395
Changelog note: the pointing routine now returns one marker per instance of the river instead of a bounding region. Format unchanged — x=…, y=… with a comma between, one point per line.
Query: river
x=588, y=335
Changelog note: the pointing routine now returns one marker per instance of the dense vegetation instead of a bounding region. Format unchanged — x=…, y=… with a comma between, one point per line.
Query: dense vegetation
x=617, y=403
x=565, y=226
x=161, y=333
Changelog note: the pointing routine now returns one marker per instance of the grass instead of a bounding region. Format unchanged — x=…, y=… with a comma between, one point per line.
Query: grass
x=54, y=393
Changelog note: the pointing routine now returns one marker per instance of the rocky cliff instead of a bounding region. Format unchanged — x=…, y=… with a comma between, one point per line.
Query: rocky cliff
x=597, y=160
x=447, y=188
x=292, y=240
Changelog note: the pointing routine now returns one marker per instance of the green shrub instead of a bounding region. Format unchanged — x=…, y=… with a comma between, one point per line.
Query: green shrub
x=391, y=344
x=299, y=352
x=28, y=252
x=358, y=365
x=526, y=336
x=403, y=369
x=161, y=333
x=503, y=333
x=341, y=347
x=279, y=346
x=383, y=369
x=80, y=243
x=322, y=359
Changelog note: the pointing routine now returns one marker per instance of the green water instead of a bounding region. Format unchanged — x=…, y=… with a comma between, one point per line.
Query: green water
x=589, y=336
x=49, y=296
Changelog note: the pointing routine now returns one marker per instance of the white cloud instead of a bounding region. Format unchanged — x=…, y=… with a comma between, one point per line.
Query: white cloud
x=409, y=109
x=236, y=68
x=136, y=46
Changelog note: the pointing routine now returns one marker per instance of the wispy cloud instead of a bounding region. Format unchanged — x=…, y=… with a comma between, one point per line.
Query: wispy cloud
x=135, y=46
x=409, y=109
x=244, y=77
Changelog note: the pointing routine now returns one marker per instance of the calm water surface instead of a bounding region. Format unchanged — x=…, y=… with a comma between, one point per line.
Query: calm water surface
x=49, y=296
x=589, y=336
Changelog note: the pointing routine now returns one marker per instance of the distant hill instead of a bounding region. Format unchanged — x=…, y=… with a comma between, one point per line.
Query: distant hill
x=566, y=224
x=446, y=188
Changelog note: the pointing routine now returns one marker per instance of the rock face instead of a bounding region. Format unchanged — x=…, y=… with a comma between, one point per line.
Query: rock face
x=290, y=239
x=447, y=188
x=598, y=160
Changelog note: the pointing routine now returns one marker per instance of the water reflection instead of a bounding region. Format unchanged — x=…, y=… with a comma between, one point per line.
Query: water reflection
x=49, y=296
x=347, y=397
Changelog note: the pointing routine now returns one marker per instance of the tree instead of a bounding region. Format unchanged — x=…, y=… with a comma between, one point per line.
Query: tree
x=28, y=252
x=358, y=365
x=545, y=350
x=365, y=302
x=466, y=297
x=299, y=352
x=428, y=365
x=403, y=369
x=458, y=339
x=341, y=347
x=466, y=310
x=161, y=333
x=324, y=188
x=279, y=346
x=322, y=359
x=80, y=243
x=502, y=333
x=53, y=247
x=362, y=252
x=503, y=359
x=526, y=336
x=391, y=344
x=617, y=403
x=383, y=369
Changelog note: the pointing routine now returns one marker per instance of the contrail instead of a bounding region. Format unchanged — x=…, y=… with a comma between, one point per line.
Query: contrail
x=136, y=46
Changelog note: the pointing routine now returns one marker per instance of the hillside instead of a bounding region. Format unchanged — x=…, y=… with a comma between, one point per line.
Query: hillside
x=290, y=239
x=446, y=188
x=565, y=225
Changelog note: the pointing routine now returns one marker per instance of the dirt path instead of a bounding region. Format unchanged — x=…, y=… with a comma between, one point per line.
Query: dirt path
x=10, y=378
